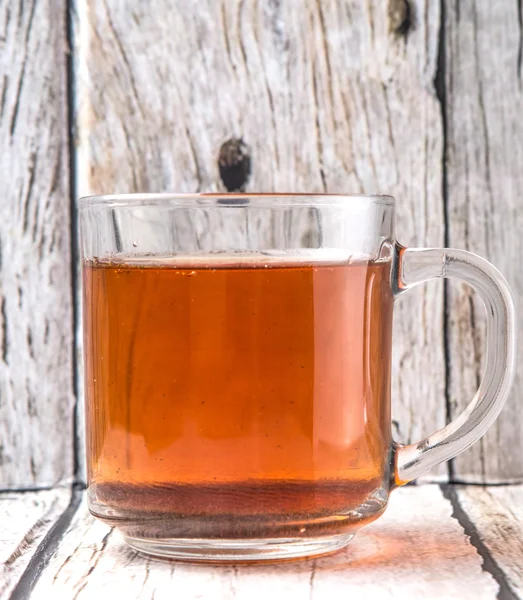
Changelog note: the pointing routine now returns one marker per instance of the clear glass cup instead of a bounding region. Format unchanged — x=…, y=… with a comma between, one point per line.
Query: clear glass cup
x=237, y=368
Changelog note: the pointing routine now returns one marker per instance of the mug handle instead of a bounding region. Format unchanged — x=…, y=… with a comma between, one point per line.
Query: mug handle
x=417, y=265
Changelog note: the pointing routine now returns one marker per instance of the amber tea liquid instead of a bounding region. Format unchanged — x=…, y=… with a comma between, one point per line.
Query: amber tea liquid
x=232, y=398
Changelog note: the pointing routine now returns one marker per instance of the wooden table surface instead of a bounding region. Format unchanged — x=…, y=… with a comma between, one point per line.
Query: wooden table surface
x=433, y=542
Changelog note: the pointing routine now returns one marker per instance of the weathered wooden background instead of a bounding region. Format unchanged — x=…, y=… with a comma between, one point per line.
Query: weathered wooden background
x=419, y=99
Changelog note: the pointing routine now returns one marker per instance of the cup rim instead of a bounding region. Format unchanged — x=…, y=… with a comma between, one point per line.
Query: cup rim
x=230, y=199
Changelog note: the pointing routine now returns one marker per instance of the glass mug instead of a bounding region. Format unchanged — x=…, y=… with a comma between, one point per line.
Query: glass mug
x=237, y=368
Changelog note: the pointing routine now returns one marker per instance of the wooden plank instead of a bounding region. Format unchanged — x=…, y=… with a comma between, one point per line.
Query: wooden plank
x=327, y=95
x=485, y=185
x=415, y=550
x=26, y=518
x=36, y=383
x=497, y=515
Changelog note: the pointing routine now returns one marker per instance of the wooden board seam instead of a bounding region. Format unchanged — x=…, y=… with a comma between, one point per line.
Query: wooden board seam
x=46, y=548
x=440, y=89
x=488, y=563
x=76, y=374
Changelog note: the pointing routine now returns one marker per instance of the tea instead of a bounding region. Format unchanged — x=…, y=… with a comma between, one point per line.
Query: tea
x=237, y=397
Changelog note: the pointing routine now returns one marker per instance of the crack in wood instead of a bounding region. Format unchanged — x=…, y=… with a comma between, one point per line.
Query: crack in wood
x=46, y=549
x=30, y=537
x=99, y=554
x=32, y=413
x=488, y=565
x=311, y=580
x=3, y=96
x=70, y=162
x=41, y=245
x=319, y=141
x=33, y=163
x=234, y=583
x=440, y=87
x=52, y=245
x=240, y=37
x=194, y=156
x=30, y=346
x=55, y=178
x=132, y=163
x=146, y=578
x=371, y=19
x=520, y=47
x=273, y=118
x=20, y=14
x=390, y=134
x=66, y=561
x=6, y=24
x=123, y=54
x=14, y=114
x=5, y=338
x=365, y=114
x=46, y=331
x=484, y=128
x=315, y=95
x=36, y=230
x=425, y=202
x=326, y=54
x=226, y=40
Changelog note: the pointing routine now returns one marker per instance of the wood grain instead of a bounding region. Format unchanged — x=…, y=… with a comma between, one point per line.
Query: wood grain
x=484, y=103
x=497, y=515
x=415, y=550
x=329, y=96
x=26, y=518
x=36, y=392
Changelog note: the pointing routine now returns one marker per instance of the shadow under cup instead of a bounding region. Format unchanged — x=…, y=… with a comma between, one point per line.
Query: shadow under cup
x=237, y=368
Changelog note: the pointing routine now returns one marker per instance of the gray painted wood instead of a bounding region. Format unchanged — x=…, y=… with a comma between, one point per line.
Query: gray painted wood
x=484, y=103
x=36, y=367
x=415, y=550
x=26, y=518
x=329, y=96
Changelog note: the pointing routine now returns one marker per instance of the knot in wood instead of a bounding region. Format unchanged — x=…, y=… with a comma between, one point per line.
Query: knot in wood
x=400, y=17
x=234, y=163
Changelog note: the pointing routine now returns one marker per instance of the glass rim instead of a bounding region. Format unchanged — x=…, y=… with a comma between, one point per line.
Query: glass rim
x=196, y=200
